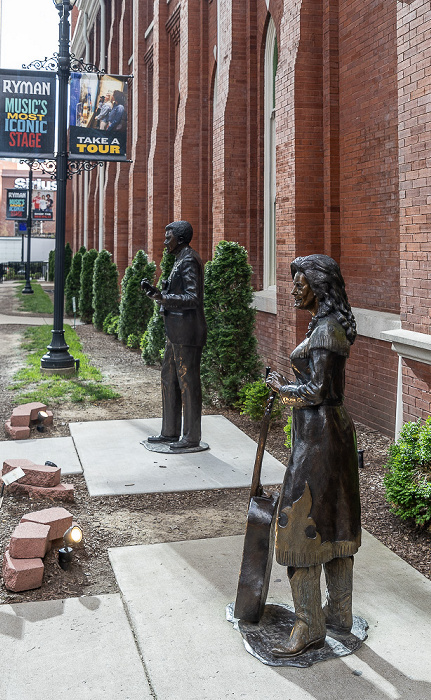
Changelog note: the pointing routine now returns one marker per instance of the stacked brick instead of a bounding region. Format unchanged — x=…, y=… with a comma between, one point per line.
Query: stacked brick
x=24, y=417
x=39, y=481
x=32, y=538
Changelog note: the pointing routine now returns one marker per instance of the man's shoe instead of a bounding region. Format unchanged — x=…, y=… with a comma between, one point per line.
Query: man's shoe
x=299, y=642
x=162, y=438
x=183, y=444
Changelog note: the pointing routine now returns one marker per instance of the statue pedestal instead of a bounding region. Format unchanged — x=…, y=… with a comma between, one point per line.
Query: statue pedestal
x=274, y=629
x=164, y=447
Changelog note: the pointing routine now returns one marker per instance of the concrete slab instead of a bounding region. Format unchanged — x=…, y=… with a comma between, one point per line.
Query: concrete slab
x=115, y=462
x=176, y=595
x=25, y=320
x=59, y=450
x=75, y=649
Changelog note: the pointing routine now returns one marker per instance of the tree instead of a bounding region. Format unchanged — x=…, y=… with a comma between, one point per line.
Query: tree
x=230, y=357
x=153, y=340
x=105, y=288
x=135, y=307
x=51, y=264
x=73, y=284
x=86, y=286
x=68, y=255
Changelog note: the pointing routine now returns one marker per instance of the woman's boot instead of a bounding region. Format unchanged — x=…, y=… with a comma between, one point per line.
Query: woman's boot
x=339, y=583
x=309, y=629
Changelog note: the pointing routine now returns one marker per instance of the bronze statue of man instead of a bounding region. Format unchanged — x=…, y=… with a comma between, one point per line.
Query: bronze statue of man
x=181, y=303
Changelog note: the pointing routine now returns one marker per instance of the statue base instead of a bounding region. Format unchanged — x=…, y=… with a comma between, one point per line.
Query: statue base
x=164, y=447
x=274, y=629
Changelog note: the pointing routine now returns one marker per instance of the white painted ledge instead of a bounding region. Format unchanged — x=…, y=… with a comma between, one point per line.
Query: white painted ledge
x=265, y=301
x=374, y=324
x=411, y=345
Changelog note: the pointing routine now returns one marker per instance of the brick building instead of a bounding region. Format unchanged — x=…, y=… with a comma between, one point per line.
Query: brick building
x=291, y=128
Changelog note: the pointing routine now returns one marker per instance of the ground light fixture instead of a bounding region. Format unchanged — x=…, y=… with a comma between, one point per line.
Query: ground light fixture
x=73, y=535
x=41, y=418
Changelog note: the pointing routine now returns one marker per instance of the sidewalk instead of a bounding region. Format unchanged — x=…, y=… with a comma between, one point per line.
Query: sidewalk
x=165, y=635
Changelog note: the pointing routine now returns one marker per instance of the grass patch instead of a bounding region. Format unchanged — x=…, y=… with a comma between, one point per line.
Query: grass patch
x=38, y=303
x=31, y=385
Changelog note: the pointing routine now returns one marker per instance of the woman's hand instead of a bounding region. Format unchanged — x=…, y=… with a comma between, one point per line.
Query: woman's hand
x=275, y=380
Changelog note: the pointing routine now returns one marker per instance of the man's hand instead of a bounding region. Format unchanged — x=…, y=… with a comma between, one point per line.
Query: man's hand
x=275, y=380
x=151, y=291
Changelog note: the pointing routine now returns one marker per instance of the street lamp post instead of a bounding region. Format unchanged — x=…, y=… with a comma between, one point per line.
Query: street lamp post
x=58, y=360
x=28, y=288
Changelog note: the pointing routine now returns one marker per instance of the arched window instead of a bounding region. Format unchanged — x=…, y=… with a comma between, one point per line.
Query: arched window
x=269, y=236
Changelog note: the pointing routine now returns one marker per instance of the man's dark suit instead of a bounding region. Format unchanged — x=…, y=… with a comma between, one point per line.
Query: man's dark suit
x=185, y=326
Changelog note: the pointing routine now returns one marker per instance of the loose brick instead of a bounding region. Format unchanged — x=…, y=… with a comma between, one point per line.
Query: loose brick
x=16, y=432
x=29, y=541
x=59, y=519
x=22, y=574
x=61, y=492
x=35, y=474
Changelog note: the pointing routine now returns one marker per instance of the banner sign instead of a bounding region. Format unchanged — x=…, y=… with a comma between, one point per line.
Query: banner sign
x=27, y=114
x=42, y=204
x=16, y=204
x=98, y=117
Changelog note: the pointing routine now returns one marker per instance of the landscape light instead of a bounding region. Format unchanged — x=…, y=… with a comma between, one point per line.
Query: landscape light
x=73, y=535
x=41, y=417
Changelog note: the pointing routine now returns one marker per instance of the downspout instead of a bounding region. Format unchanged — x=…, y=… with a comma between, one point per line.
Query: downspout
x=86, y=173
x=102, y=66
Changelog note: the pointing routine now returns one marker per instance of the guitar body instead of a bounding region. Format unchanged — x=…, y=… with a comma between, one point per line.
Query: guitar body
x=257, y=558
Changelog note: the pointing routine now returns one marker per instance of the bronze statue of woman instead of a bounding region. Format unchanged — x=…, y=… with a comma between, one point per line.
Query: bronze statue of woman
x=318, y=519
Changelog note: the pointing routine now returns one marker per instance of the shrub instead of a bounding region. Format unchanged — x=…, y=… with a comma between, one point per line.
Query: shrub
x=105, y=288
x=408, y=473
x=73, y=284
x=153, y=340
x=112, y=328
x=133, y=341
x=135, y=307
x=68, y=255
x=230, y=358
x=86, y=286
x=51, y=265
x=288, y=432
x=253, y=398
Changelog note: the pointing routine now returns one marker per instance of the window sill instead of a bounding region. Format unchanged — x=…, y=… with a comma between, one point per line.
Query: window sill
x=265, y=301
x=411, y=345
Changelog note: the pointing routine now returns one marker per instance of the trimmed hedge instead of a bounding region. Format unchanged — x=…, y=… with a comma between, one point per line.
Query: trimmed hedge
x=86, y=286
x=230, y=358
x=153, y=340
x=135, y=307
x=105, y=288
x=73, y=284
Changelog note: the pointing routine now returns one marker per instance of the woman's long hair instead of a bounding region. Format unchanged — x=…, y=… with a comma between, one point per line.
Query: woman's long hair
x=325, y=279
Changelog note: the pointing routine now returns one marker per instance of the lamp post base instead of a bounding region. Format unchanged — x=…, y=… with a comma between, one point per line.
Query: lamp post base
x=58, y=360
x=27, y=289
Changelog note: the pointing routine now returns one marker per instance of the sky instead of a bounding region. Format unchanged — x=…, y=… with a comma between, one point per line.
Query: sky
x=29, y=31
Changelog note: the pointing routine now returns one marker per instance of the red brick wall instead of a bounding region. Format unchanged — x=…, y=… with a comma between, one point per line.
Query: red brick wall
x=414, y=75
x=371, y=381
x=416, y=390
x=369, y=154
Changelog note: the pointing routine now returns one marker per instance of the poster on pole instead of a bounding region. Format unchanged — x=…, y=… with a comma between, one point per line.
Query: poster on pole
x=16, y=205
x=27, y=114
x=42, y=205
x=98, y=117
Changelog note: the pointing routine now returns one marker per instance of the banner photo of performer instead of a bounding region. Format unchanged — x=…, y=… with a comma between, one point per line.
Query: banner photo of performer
x=27, y=114
x=42, y=205
x=98, y=117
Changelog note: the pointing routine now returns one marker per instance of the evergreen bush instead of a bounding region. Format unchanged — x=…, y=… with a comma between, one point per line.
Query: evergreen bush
x=133, y=341
x=253, y=398
x=408, y=473
x=105, y=288
x=51, y=265
x=135, y=306
x=73, y=284
x=153, y=340
x=230, y=358
x=68, y=255
x=86, y=286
